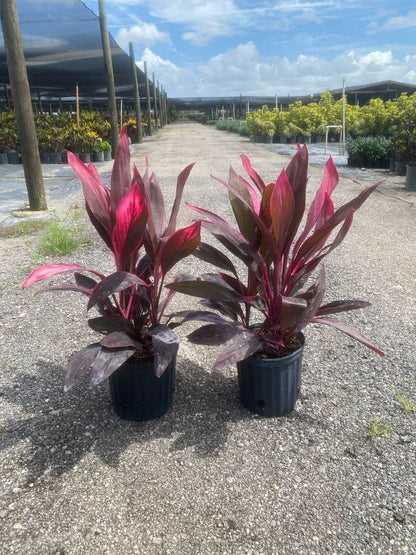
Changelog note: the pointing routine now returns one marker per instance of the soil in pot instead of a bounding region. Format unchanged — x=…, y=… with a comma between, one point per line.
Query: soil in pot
x=270, y=386
x=138, y=394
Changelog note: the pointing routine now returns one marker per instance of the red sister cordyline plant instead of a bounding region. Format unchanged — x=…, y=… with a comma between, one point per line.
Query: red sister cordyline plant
x=130, y=217
x=280, y=259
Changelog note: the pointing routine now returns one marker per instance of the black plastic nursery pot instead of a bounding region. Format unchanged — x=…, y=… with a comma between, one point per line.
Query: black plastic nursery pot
x=410, y=183
x=270, y=386
x=138, y=394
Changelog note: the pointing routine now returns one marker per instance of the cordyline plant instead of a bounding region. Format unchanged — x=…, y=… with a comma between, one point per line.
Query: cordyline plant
x=130, y=217
x=284, y=280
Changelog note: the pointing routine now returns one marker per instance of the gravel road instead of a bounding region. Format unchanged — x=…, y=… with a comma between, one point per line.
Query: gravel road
x=209, y=477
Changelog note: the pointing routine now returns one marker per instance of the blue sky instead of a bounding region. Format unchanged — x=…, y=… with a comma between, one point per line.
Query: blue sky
x=232, y=47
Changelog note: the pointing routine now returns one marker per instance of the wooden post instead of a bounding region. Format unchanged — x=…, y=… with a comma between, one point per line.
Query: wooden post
x=155, y=109
x=159, y=100
x=149, y=108
x=111, y=90
x=22, y=104
x=161, y=106
x=139, y=132
x=77, y=101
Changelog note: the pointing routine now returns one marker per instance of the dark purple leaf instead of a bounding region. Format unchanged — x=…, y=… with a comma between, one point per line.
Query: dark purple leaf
x=238, y=348
x=213, y=334
x=85, y=281
x=118, y=281
x=341, y=306
x=349, y=330
x=119, y=340
x=79, y=363
x=165, y=346
x=110, y=323
x=204, y=290
x=107, y=362
x=214, y=256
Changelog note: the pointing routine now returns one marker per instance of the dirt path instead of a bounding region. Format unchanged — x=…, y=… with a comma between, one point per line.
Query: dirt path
x=209, y=477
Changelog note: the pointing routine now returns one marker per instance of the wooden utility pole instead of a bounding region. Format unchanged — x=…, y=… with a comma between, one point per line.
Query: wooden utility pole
x=149, y=108
x=111, y=90
x=139, y=132
x=22, y=105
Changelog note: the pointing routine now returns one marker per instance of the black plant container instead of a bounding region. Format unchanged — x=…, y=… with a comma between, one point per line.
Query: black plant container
x=138, y=394
x=270, y=386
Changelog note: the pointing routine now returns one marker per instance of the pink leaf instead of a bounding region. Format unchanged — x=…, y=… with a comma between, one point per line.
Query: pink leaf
x=282, y=204
x=179, y=245
x=49, y=270
x=180, y=184
x=120, y=176
x=257, y=180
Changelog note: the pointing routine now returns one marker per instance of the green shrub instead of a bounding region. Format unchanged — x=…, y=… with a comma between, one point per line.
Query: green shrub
x=370, y=152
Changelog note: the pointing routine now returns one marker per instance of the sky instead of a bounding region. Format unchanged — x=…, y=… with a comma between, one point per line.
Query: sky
x=202, y=48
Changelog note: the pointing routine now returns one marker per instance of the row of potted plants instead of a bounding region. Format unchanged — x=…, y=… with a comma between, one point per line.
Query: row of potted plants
x=308, y=122
x=267, y=283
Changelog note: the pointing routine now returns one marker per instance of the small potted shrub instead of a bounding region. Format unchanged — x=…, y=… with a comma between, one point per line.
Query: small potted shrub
x=258, y=315
x=137, y=350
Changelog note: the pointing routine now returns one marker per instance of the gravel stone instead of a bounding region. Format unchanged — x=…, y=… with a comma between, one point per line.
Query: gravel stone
x=209, y=477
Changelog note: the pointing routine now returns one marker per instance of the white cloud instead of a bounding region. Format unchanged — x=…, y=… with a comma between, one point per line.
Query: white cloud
x=242, y=70
x=401, y=22
x=145, y=33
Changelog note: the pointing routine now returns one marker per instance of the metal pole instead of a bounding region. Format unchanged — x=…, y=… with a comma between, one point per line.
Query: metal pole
x=22, y=104
x=139, y=133
x=149, y=108
x=111, y=90
x=77, y=101
x=155, y=107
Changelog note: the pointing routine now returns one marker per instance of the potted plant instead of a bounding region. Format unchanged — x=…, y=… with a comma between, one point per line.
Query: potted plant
x=97, y=151
x=137, y=351
x=260, y=314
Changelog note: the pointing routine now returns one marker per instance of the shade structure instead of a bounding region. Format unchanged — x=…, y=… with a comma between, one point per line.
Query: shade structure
x=62, y=46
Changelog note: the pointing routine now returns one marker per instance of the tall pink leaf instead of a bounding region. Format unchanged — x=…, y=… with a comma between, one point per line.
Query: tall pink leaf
x=282, y=205
x=120, y=176
x=131, y=219
x=297, y=174
x=179, y=245
x=257, y=180
x=180, y=184
x=96, y=194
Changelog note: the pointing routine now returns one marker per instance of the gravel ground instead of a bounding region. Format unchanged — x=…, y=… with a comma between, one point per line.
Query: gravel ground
x=209, y=477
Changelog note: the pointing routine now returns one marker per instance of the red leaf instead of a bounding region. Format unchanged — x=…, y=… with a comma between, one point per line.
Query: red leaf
x=49, y=270
x=179, y=245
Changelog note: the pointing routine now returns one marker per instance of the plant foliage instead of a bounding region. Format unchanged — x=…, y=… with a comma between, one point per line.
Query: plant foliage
x=130, y=216
x=284, y=280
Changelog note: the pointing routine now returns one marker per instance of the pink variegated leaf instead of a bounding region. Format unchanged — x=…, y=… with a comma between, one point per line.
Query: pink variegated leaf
x=131, y=219
x=282, y=205
x=96, y=194
x=156, y=206
x=349, y=330
x=121, y=175
x=257, y=180
x=297, y=174
x=328, y=184
x=179, y=245
x=50, y=270
x=180, y=184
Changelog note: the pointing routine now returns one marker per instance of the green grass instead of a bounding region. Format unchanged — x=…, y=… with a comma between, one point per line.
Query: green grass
x=59, y=239
x=26, y=227
x=377, y=427
x=406, y=405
